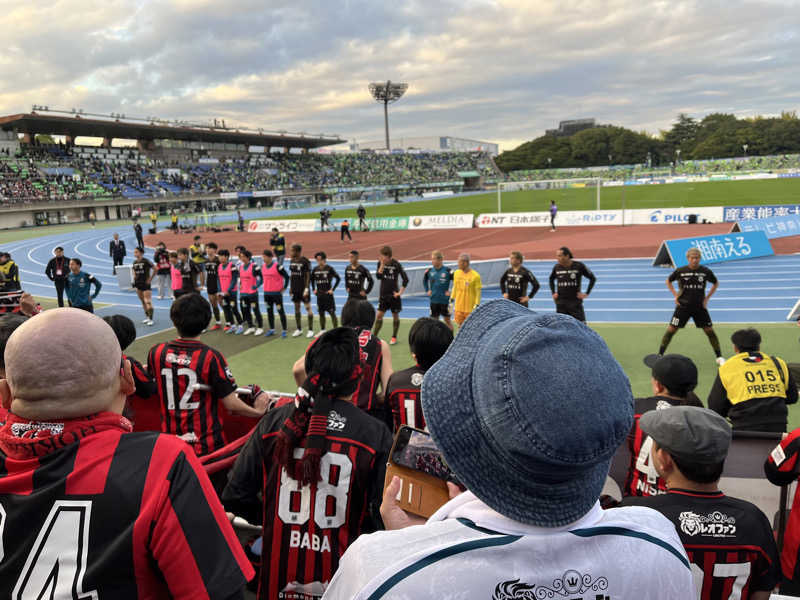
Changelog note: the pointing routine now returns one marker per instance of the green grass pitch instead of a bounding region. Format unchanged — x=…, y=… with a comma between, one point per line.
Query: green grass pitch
x=268, y=361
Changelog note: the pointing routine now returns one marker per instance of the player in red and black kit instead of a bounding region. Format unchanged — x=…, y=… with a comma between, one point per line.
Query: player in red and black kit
x=299, y=288
x=389, y=271
x=324, y=281
x=514, y=282
x=729, y=541
x=691, y=301
x=194, y=381
x=783, y=468
x=673, y=379
x=355, y=275
x=319, y=466
x=88, y=509
x=428, y=339
x=565, y=284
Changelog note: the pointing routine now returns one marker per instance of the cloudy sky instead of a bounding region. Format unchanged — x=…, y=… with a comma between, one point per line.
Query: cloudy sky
x=494, y=70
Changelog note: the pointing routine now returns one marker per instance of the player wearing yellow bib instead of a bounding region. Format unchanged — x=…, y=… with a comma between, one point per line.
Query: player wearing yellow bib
x=466, y=294
x=752, y=388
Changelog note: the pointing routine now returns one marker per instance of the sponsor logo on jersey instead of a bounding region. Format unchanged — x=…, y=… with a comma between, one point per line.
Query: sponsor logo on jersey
x=173, y=358
x=336, y=422
x=567, y=586
x=715, y=524
x=416, y=379
x=301, y=591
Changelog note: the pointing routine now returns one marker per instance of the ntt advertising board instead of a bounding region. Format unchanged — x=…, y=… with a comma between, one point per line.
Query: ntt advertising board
x=286, y=225
x=570, y=218
x=441, y=222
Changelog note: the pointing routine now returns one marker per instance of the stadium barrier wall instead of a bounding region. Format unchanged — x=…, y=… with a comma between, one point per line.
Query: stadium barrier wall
x=714, y=248
x=773, y=227
x=747, y=213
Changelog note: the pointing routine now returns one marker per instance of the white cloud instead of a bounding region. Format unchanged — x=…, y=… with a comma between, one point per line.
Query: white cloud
x=501, y=70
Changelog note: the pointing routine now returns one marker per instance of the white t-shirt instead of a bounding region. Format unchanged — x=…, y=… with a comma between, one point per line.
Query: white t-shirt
x=468, y=551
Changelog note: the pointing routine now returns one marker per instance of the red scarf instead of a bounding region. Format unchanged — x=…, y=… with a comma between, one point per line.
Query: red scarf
x=23, y=439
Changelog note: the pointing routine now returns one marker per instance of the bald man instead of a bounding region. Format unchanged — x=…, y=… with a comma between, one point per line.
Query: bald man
x=87, y=509
x=466, y=294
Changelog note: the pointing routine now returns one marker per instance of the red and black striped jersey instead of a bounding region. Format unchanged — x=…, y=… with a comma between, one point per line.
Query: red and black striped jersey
x=642, y=479
x=403, y=397
x=100, y=513
x=179, y=367
x=782, y=468
x=729, y=541
x=371, y=362
x=146, y=393
x=308, y=528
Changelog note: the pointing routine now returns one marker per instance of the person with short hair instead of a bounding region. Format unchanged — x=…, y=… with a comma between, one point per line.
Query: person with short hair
x=388, y=272
x=211, y=276
x=691, y=301
x=533, y=452
x=57, y=270
x=344, y=230
x=436, y=280
x=753, y=388
x=194, y=381
x=276, y=280
x=299, y=289
x=161, y=260
x=428, y=340
x=249, y=282
x=729, y=541
x=355, y=276
x=95, y=511
x=278, y=243
x=324, y=281
x=116, y=250
x=514, y=282
x=228, y=273
x=197, y=253
x=137, y=230
x=466, y=293
x=9, y=273
x=143, y=273
x=189, y=272
x=361, y=213
x=553, y=213
x=673, y=378
x=78, y=286
x=8, y=325
x=154, y=221
x=318, y=466
x=173, y=218
x=565, y=284
x=175, y=277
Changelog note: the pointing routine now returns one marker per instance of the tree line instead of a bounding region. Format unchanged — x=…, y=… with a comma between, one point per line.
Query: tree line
x=717, y=135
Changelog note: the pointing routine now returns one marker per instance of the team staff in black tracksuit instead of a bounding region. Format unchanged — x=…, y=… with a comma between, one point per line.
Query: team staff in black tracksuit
x=514, y=282
x=137, y=229
x=116, y=250
x=57, y=270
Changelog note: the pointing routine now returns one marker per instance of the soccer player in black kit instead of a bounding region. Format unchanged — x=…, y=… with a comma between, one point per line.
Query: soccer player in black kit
x=514, y=282
x=211, y=273
x=299, y=288
x=389, y=271
x=355, y=275
x=565, y=284
x=691, y=301
x=324, y=281
x=143, y=273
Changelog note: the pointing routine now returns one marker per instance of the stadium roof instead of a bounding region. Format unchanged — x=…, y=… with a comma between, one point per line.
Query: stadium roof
x=141, y=129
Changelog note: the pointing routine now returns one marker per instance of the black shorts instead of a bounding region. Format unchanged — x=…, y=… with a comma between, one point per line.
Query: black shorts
x=390, y=303
x=179, y=293
x=142, y=287
x=273, y=300
x=212, y=287
x=326, y=303
x=682, y=315
x=573, y=308
x=439, y=310
x=517, y=300
x=298, y=297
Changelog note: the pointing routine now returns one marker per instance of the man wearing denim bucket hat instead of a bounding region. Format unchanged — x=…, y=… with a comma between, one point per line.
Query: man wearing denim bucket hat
x=533, y=445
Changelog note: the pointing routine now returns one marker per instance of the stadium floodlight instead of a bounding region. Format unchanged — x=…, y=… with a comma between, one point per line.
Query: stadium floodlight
x=387, y=93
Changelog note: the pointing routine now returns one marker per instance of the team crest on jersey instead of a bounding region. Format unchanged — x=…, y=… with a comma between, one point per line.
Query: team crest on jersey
x=572, y=275
x=178, y=360
x=228, y=373
x=336, y=422
x=715, y=524
x=570, y=583
x=416, y=379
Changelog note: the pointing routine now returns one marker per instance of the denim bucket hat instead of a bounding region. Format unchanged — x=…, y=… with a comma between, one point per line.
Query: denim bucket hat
x=528, y=409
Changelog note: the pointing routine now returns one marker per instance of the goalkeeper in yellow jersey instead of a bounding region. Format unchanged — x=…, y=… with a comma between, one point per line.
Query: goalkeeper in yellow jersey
x=466, y=294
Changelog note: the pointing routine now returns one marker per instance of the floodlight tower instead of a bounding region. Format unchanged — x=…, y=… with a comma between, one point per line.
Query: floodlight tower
x=387, y=93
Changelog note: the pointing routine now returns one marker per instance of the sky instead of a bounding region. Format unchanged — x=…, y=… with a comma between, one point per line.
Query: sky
x=494, y=70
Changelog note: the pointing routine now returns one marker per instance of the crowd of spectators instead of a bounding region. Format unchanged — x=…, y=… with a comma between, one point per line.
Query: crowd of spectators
x=525, y=456
x=58, y=172
x=785, y=162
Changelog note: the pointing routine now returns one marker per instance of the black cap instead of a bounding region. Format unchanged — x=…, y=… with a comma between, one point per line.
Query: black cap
x=696, y=435
x=675, y=372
